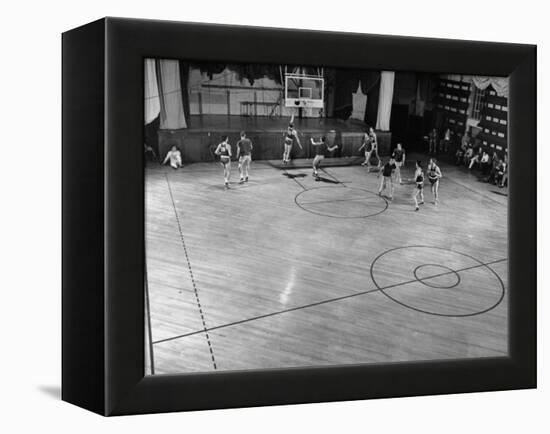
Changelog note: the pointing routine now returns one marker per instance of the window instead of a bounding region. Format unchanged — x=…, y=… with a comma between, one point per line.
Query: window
x=479, y=103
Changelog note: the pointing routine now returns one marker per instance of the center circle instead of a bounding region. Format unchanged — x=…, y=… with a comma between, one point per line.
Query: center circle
x=436, y=273
x=341, y=202
x=413, y=277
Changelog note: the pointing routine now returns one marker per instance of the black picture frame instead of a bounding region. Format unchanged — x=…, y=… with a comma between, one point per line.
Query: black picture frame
x=103, y=217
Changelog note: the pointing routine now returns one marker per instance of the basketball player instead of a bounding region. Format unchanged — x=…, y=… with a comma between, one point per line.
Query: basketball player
x=174, y=155
x=387, y=172
x=434, y=175
x=244, y=155
x=290, y=135
x=374, y=141
x=399, y=157
x=367, y=145
x=224, y=152
x=419, y=188
x=320, y=149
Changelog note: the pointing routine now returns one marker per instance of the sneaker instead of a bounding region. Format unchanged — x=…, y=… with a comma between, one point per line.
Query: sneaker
x=241, y=180
x=421, y=203
x=416, y=209
x=246, y=179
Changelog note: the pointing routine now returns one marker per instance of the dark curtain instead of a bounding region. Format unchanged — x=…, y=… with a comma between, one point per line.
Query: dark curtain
x=184, y=79
x=209, y=68
x=345, y=83
x=151, y=134
x=250, y=72
x=254, y=72
x=371, y=113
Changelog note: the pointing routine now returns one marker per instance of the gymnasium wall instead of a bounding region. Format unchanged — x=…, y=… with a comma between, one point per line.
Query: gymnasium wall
x=226, y=94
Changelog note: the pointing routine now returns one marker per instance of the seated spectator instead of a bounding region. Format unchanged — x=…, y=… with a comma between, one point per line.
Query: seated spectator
x=460, y=153
x=495, y=161
x=502, y=175
x=476, y=158
x=174, y=155
x=501, y=169
x=468, y=155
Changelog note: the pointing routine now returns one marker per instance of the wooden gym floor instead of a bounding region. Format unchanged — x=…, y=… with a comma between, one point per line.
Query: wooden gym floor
x=284, y=271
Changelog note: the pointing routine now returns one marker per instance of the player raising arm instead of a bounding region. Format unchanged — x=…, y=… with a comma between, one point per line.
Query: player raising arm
x=289, y=137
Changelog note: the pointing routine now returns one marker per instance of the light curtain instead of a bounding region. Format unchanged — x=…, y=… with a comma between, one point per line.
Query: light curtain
x=172, y=114
x=152, y=100
x=359, y=101
x=499, y=84
x=387, y=79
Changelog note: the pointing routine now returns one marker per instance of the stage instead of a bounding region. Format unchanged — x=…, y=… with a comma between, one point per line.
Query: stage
x=198, y=141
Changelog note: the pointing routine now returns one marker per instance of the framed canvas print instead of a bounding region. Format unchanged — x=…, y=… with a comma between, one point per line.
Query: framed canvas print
x=263, y=216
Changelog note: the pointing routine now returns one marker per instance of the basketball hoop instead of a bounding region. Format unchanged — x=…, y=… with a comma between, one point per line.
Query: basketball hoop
x=304, y=90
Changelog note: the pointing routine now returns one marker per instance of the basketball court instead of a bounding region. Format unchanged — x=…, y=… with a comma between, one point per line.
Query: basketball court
x=286, y=271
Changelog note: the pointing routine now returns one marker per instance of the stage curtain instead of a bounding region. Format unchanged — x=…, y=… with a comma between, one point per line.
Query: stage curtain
x=152, y=100
x=184, y=82
x=499, y=84
x=387, y=79
x=344, y=83
x=359, y=102
x=172, y=114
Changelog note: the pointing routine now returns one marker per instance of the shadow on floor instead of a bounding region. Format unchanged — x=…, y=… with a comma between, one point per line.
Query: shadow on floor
x=52, y=391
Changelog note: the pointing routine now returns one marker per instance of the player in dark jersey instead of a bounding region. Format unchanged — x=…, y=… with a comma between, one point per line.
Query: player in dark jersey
x=367, y=145
x=386, y=177
x=434, y=175
x=419, y=187
x=399, y=157
x=244, y=155
x=289, y=137
x=224, y=152
x=320, y=150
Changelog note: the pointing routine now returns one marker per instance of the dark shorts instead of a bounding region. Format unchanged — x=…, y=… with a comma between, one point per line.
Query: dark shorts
x=224, y=159
x=420, y=186
x=434, y=180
